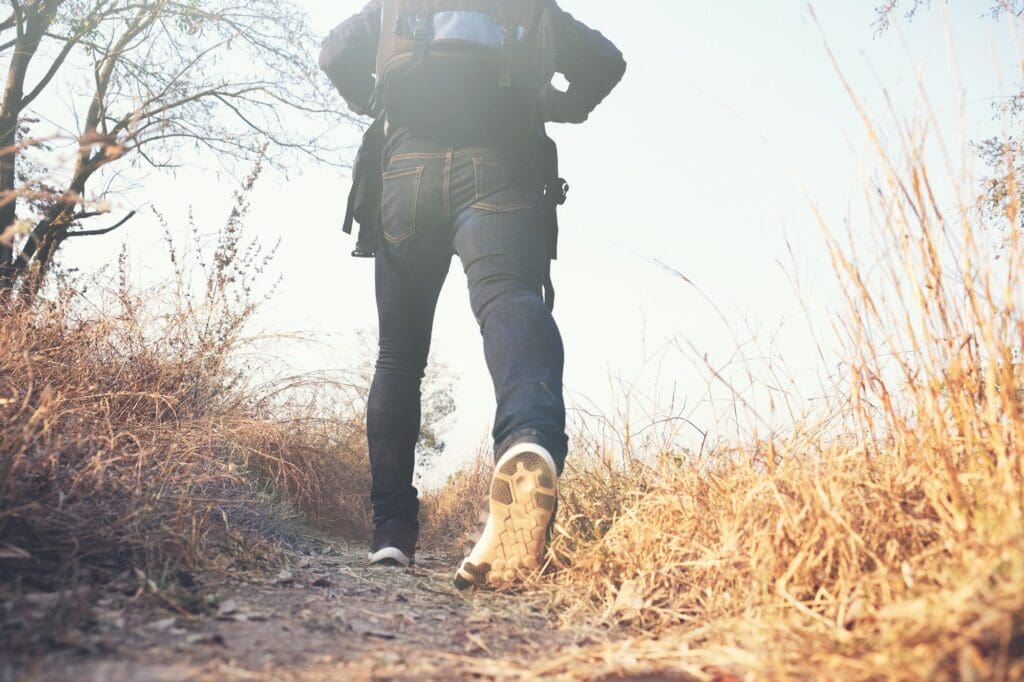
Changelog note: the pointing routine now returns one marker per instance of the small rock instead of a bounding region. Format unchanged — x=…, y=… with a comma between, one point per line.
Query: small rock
x=110, y=618
x=284, y=577
x=186, y=580
x=367, y=629
x=211, y=638
x=42, y=599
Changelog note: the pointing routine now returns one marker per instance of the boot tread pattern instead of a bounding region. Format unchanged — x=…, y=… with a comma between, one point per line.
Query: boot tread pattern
x=522, y=501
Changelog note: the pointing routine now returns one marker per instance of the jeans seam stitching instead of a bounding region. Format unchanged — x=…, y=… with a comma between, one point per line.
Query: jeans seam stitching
x=447, y=185
x=494, y=208
x=476, y=177
x=419, y=155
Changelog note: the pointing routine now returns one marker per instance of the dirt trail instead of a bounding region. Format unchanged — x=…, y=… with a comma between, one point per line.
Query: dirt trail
x=326, y=616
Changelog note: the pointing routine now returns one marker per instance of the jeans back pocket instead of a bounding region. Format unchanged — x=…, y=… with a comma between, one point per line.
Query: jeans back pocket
x=400, y=203
x=502, y=185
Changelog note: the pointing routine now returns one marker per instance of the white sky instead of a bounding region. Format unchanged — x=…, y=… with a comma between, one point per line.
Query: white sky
x=729, y=118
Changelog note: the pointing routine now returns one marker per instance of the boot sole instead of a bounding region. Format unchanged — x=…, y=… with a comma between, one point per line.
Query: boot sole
x=524, y=489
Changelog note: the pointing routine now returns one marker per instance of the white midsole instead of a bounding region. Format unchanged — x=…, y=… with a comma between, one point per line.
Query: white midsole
x=527, y=447
x=389, y=553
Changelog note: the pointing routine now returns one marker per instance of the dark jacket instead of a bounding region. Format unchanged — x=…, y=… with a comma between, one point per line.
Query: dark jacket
x=590, y=63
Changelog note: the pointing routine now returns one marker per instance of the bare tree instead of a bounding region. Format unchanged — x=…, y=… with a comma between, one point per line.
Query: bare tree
x=909, y=9
x=155, y=83
x=1002, y=188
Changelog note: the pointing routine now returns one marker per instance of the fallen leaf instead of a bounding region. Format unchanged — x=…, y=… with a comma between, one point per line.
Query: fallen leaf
x=162, y=624
x=227, y=608
x=478, y=644
x=12, y=552
x=908, y=575
x=630, y=598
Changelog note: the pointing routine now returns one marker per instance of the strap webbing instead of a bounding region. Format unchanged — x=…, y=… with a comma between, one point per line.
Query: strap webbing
x=549, y=289
x=421, y=34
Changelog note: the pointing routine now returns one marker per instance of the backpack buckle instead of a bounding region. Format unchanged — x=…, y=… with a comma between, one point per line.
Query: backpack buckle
x=421, y=29
x=504, y=65
x=557, y=192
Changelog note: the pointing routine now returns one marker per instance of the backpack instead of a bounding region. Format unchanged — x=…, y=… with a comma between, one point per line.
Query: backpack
x=463, y=65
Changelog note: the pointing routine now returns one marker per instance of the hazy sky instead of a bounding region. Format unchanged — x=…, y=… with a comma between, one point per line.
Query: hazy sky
x=730, y=121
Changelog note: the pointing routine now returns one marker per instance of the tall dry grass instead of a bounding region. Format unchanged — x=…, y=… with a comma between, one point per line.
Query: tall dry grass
x=139, y=428
x=891, y=547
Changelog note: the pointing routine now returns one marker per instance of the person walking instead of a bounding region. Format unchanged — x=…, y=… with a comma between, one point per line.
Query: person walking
x=458, y=162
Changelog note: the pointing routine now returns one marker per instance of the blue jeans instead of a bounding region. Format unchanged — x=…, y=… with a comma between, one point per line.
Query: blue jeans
x=488, y=208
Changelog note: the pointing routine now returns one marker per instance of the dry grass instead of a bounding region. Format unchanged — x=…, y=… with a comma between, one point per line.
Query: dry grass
x=449, y=514
x=891, y=547
x=136, y=430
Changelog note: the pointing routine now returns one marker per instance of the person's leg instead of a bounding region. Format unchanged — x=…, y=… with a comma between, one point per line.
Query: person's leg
x=503, y=248
x=405, y=307
x=411, y=265
x=502, y=242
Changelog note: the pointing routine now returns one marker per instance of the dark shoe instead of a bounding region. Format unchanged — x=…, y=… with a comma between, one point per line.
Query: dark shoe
x=394, y=543
x=524, y=491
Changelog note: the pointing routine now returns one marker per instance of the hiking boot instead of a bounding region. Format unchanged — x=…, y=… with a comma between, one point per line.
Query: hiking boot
x=394, y=543
x=524, y=490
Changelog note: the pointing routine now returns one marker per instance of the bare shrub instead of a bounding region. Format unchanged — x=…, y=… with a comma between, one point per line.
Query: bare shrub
x=136, y=429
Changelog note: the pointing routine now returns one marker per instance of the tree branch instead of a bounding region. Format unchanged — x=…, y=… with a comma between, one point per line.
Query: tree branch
x=94, y=233
x=51, y=72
